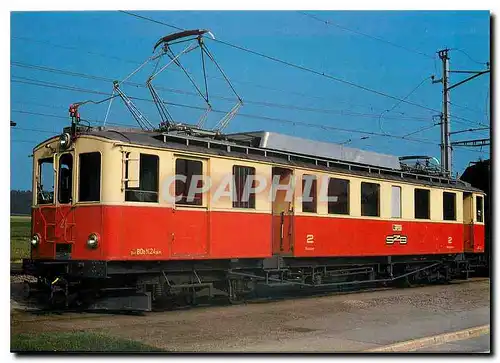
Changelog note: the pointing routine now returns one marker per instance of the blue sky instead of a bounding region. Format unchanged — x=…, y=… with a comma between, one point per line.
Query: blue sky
x=111, y=44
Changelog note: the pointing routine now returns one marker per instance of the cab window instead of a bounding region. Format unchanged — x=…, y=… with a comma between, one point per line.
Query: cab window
x=45, y=182
x=65, y=182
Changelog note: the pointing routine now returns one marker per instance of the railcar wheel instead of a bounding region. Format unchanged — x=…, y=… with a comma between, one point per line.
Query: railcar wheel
x=405, y=282
x=235, y=292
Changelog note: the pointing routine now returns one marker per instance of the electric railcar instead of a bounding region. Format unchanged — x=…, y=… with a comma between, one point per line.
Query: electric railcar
x=105, y=235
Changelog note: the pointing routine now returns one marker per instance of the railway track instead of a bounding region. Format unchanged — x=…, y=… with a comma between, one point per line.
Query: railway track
x=16, y=268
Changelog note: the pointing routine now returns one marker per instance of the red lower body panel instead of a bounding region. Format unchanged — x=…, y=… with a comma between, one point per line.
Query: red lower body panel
x=367, y=237
x=154, y=233
x=474, y=238
x=158, y=233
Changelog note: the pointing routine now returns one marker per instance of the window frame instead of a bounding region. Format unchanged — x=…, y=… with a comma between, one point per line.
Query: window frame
x=428, y=192
x=79, y=177
x=363, y=213
x=393, y=187
x=445, y=218
x=194, y=203
x=139, y=191
x=72, y=170
x=252, y=197
x=348, y=193
x=479, y=220
x=49, y=160
x=313, y=192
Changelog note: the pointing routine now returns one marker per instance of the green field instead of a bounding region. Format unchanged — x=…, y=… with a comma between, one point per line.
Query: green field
x=75, y=342
x=20, y=230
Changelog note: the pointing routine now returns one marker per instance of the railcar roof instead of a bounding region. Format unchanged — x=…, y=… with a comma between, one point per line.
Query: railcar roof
x=183, y=142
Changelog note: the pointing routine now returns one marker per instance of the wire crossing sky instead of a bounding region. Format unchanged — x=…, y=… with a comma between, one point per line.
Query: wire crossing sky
x=362, y=79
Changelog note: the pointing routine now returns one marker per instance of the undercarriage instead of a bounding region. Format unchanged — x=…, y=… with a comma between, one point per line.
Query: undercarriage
x=146, y=285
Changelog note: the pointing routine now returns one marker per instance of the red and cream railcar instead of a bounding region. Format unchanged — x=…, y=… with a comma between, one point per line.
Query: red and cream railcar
x=103, y=206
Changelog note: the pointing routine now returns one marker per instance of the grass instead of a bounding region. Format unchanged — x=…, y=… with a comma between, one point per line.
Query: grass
x=75, y=342
x=20, y=230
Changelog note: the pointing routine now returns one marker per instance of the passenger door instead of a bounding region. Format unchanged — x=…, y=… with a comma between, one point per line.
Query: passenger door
x=282, y=210
x=468, y=222
x=189, y=220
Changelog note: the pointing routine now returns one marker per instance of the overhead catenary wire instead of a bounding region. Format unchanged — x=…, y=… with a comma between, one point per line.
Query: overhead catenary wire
x=329, y=22
x=281, y=120
x=249, y=83
x=348, y=112
x=246, y=82
x=324, y=127
x=420, y=130
x=466, y=108
x=303, y=95
x=272, y=119
x=468, y=56
x=424, y=141
x=36, y=130
x=61, y=117
x=399, y=102
x=312, y=125
x=288, y=120
x=341, y=112
x=52, y=85
x=470, y=130
x=303, y=68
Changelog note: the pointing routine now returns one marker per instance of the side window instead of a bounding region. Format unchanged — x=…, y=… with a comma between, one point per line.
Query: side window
x=422, y=204
x=240, y=178
x=449, y=206
x=65, y=183
x=89, y=187
x=309, y=195
x=479, y=209
x=45, y=182
x=396, y=201
x=148, y=181
x=338, y=196
x=189, y=169
x=370, y=199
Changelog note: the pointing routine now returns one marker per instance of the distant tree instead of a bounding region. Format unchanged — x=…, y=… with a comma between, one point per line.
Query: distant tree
x=20, y=202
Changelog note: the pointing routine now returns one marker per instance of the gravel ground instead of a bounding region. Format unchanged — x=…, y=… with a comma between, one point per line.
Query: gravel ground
x=350, y=322
x=16, y=279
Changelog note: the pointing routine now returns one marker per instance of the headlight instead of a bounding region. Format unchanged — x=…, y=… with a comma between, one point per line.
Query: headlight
x=93, y=240
x=35, y=240
x=65, y=141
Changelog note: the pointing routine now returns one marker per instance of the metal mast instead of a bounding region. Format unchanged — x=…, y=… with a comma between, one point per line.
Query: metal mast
x=445, y=124
x=446, y=145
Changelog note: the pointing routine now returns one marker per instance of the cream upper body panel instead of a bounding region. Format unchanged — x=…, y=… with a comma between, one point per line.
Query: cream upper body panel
x=219, y=167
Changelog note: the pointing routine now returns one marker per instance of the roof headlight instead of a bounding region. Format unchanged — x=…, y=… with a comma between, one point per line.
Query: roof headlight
x=64, y=141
